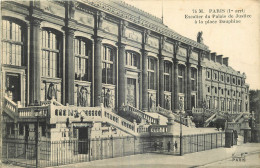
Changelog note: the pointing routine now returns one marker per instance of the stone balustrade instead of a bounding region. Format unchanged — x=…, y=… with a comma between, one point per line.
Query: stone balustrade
x=10, y=105
x=150, y=119
x=158, y=128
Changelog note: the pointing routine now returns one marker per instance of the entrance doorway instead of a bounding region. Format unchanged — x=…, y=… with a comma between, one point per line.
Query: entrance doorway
x=83, y=140
x=13, y=86
x=131, y=92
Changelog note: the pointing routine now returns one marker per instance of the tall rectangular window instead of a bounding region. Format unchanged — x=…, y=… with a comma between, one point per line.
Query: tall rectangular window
x=107, y=65
x=50, y=54
x=181, y=71
x=81, y=52
x=166, y=74
x=193, y=79
x=12, y=44
x=151, y=73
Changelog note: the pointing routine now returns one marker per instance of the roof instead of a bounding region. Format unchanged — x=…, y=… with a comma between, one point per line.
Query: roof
x=222, y=67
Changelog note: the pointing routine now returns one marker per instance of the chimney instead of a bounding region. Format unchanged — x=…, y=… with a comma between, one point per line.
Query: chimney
x=225, y=61
x=213, y=56
x=220, y=59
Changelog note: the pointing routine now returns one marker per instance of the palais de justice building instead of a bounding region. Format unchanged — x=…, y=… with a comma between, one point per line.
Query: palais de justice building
x=92, y=53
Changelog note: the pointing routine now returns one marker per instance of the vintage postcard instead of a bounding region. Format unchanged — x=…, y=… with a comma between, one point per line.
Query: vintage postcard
x=131, y=83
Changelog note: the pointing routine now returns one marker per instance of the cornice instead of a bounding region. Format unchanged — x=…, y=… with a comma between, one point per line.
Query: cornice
x=155, y=26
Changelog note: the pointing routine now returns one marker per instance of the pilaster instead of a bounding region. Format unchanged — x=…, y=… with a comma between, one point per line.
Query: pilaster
x=35, y=61
x=144, y=81
x=161, y=81
x=97, y=84
x=121, y=75
x=69, y=66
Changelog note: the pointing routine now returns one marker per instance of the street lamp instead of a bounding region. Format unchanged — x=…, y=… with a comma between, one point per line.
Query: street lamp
x=180, y=113
x=37, y=114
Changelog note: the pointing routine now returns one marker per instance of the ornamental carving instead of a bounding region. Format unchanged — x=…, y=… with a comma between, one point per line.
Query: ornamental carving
x=176, y=47
x=100, y=18
x=168, y=47
x=53, y=8
x=154, y=42
x=123, y=25
x=133, y=35
x=195, y=55
x=182, y=51
x=146, y=35
x=84, y=18
x=110, y=27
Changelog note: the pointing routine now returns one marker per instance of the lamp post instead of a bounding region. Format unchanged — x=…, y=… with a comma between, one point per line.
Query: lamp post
x=36, y=113
x=180, y=113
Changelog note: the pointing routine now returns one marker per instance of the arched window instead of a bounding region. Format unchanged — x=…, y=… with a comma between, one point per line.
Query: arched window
x=167, y=76
x=50, y=53
x=193, y=79
x=132, y=59
x=108, y=74
x=181, y=72
x=12, y=43
x=151, y=73
x=82, y=51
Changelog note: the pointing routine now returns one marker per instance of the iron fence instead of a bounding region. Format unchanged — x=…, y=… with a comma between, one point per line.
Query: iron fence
x=56, y=153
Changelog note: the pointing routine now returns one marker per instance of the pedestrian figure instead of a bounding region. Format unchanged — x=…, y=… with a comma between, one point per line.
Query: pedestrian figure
x=155, y=146
x=169, y=146
x=176, y=145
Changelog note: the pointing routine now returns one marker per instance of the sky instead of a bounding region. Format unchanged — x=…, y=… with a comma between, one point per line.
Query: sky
x=238, y=41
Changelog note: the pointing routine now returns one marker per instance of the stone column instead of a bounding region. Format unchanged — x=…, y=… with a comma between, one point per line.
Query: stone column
x=161, y=81
x=121, y=75
x=69, y=66
x=188, y=86
x=176, y=87
x=97, y=71
x=35, y=61
x=144, y=81
x=200, y=86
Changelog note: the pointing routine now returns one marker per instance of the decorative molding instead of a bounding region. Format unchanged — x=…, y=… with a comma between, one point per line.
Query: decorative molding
x=133, y=35
x=146, y=23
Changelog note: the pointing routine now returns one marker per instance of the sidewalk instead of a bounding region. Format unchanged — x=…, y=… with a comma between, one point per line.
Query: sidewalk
x=220, y=157
x=156, y=160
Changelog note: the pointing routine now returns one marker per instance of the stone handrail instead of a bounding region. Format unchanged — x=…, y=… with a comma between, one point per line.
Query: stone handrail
x=209, y=119
x=158, y=128
x=48, y=102
x=43, y=111
x=10, y=105
x=197, y=110
x=74, y=113
x=163, y=111
x=150, y=119
x=143, y=128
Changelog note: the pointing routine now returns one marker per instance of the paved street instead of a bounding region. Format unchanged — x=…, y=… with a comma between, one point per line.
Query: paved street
x=205, y=159
x=221, y=157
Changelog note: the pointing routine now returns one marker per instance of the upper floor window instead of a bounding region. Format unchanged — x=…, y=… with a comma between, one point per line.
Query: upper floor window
x=132, y=59
x=151, y=73
x=166, y=74
x=215, y=76
x=222, y=78
x=208, y=89
x=108, y=73
x=216, y=90
x=208, y=74
x=12, y=43
x=193, y=79
x=234, y=80
x=238, y=82
x=82, y=51
x=50, y=54
x=181, y=72
x=228, y=79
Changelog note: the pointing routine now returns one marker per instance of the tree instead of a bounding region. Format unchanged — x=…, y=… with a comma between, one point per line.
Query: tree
x=254, y=102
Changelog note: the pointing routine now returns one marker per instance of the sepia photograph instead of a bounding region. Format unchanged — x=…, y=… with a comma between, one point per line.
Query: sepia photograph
x=129, y=83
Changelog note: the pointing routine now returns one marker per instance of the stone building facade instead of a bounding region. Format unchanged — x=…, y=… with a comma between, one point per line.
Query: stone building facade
x=92, y=53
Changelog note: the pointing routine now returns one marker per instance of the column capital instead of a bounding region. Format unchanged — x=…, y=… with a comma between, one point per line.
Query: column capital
x=121, y=45
x=69, y=31
x=97, y=38
x=36, y=22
